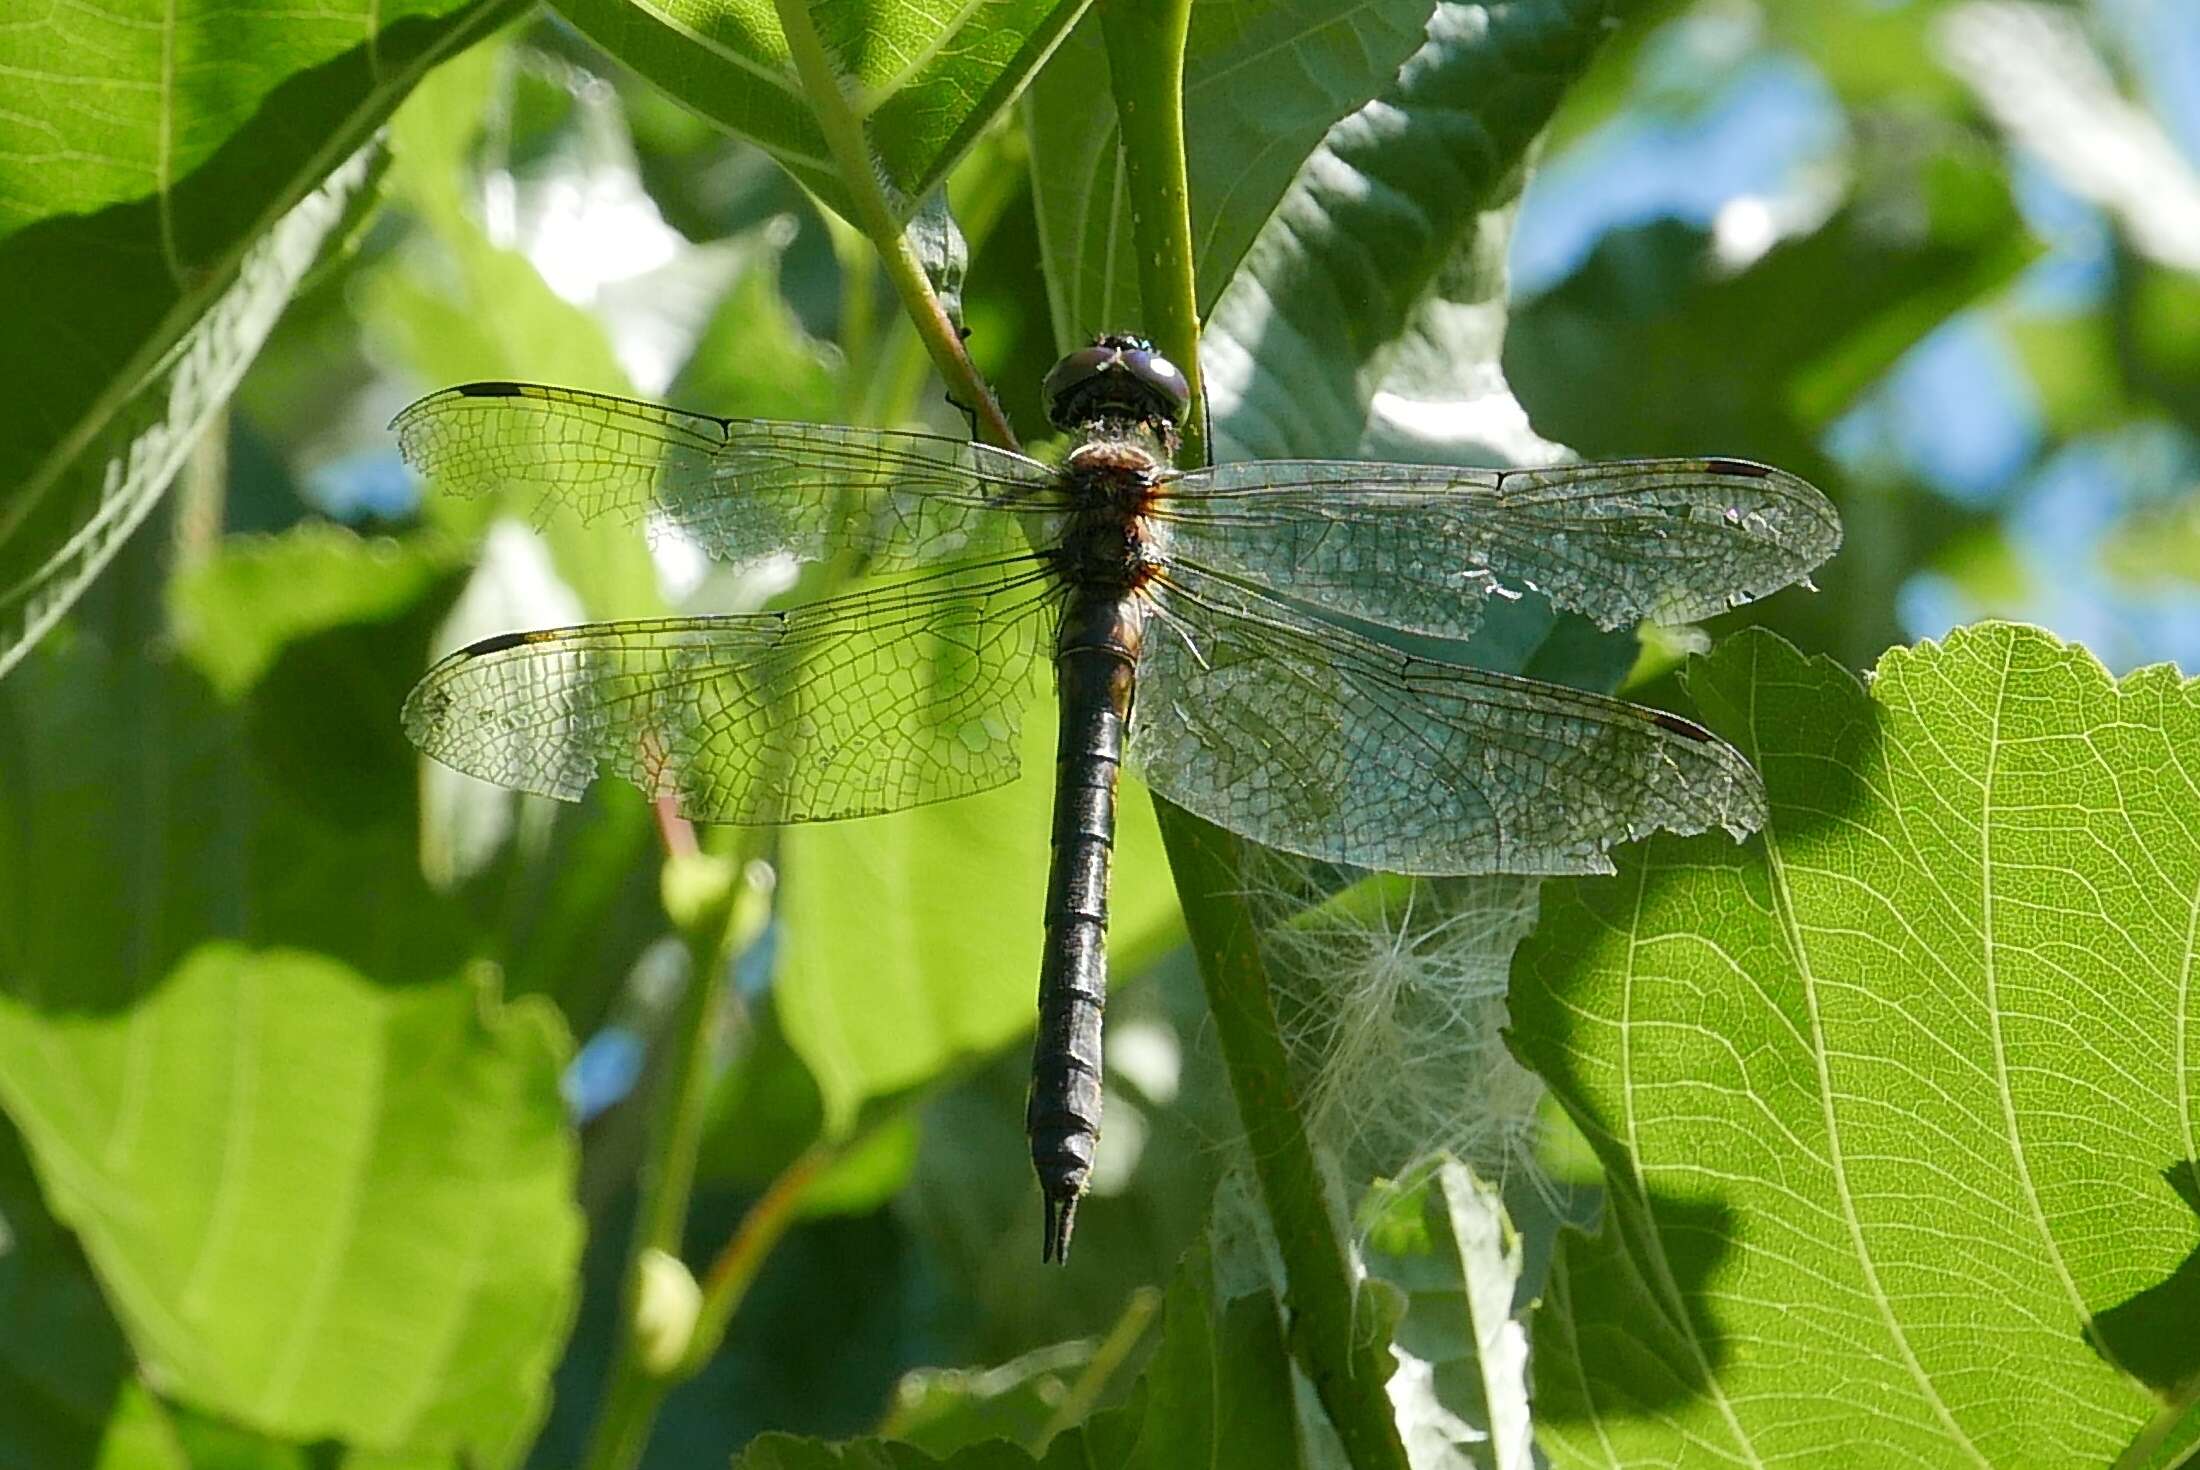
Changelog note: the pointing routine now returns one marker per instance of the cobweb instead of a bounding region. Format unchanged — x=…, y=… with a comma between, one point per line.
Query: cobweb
x=1391, y=996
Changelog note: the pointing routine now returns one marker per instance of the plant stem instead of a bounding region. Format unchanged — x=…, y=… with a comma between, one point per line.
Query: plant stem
x=202, y=492
x=676, y=832
x=737, y=1264
x=1145, y=41
x=852, y=156
x=1348, y=1366
x=1106, y=1361
x=715, y=925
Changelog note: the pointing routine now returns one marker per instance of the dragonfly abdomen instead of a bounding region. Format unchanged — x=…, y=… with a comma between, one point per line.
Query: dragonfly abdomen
x=1095, y=659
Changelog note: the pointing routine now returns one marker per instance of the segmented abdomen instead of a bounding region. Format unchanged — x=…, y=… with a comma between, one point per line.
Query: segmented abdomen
x=1096, y=657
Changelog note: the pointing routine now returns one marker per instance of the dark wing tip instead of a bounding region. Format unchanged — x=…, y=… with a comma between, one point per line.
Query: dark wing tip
x=1688, y=729
x=1742, y=469
x=1797, y=494
x=488, y=388
x=498, y=642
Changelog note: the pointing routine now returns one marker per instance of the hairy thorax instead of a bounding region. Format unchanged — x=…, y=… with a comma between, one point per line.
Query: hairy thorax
x=1107, y=545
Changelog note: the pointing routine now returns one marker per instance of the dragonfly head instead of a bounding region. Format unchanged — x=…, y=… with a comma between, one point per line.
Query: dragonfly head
x=1118, y=376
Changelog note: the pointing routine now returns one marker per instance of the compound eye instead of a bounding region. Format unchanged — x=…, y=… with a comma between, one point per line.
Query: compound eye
x=1163, y=377
x=1073, y=373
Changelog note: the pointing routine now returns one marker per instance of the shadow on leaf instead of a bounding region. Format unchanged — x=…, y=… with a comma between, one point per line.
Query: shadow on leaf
x=2150, y=1335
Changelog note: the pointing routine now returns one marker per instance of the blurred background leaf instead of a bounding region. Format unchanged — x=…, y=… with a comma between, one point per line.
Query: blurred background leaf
x=258, y=1052
x=164, y=188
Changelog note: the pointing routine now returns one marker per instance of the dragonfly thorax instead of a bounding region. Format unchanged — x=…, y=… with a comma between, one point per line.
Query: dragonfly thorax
x=1106, y=541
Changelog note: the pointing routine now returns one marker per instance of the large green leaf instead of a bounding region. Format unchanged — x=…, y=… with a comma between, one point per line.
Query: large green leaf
x=919, y=79
x=322, y=1204
x=1261, y=86
x=1892, y=1103
x=322, y=1175
x=167, y=176
x=1382, y=270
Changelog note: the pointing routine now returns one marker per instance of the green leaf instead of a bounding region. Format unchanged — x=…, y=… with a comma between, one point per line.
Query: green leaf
x=911, y=942
x=323, y=1177
x=1383, y=268
x=945, y=1410
x=1261, y=86
x=1219, y=1388
x=1770, y=354
x=235, y=611
x=165, y=183
x=786, y=1452
x=921, y=79
x=469, y=309
x=1897, y=1079
x=245, y=1224
x=1462, y=1383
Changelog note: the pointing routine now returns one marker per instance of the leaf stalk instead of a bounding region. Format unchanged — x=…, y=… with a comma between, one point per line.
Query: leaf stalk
x=844, y=135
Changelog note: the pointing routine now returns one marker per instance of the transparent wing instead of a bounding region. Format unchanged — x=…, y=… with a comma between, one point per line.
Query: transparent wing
x=744, y=488
x=1318, y=741
x=892, y=697
x=1419, y=547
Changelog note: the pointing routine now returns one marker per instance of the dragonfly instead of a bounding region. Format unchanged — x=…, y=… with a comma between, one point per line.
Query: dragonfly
x=1223, y=632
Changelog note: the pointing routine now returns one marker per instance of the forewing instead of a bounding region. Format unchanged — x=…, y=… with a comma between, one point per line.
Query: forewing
x=745, y=489
x=1313, y=739
x=892, y=697
x=1419, y=547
